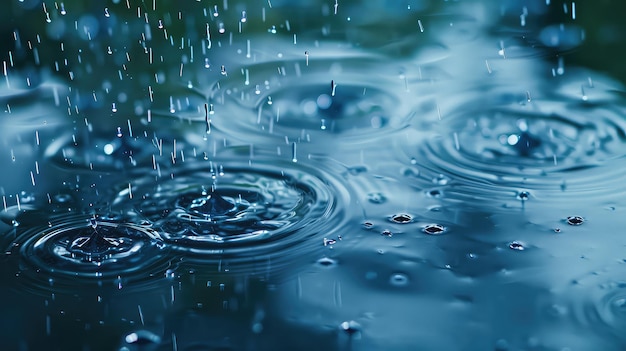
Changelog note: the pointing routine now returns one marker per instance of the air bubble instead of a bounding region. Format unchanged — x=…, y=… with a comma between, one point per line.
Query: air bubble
x=434, y=229
x=575, y=220
x=399, y=279
x=401, y=218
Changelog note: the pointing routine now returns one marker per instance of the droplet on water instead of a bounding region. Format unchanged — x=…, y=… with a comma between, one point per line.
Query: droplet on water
x=575, y=220
x=516, y=245
x=434, y=229
x=401, y=218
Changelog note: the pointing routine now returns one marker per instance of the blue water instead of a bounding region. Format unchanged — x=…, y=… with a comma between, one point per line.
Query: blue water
x=313, y=175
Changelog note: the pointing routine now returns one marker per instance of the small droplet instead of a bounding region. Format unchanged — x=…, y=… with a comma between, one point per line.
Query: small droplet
x=523, y=195
x=434, y=229
x=575, y=220
x=326, y=262
x=401, y=218
x=328, y=242
x=516, y=245
x=557, y=230
x=434, y=193
x=441, y=179
x=368, y=225
x=399, y=279
x=350, y=327
x=387, y=233
x=376, y=198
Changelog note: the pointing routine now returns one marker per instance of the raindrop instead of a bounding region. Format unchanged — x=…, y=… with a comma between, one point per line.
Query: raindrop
x=523, y=195
x=386, y=233
x=575, y=220
x=399, y=279
x=350, y=327
x=326, y=262
x=516, y=245
x=401, y=218
x=376, y=198
x=441, y=179
x=434, y=229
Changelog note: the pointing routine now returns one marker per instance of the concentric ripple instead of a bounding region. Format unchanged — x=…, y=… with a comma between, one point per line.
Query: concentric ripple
x=539, y=145
x=603, y=305
x=89, y=247
x=300, y=99
x=237, y=210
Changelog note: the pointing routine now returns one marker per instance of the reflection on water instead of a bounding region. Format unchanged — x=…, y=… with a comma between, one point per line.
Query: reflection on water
x=347, y=175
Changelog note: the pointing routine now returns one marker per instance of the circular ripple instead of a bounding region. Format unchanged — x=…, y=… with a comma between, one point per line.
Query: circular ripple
x=93, y=248
x=237, y=210
x=603, y=304
x=297, y=100
x=553, y=146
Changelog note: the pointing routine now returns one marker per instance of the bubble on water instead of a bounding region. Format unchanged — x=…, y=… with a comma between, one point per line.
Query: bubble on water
x=523, y=195
x=350, y=327
x=399, y=279
x=142, y=337
x=386, y=233
x=92, y=248
x=516, y=245
x=302, y=102
x=326, y=262
x=376, y=198
x=434, y=229
x=401, y=218
x=575, y=220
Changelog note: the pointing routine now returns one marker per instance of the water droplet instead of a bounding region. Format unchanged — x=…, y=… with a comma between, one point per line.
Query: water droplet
x=399, y=279
x=401, y=218
x=523, y=195
x=575, y=220
x=516, y=245
x=326, y=262
x=350, y=327
x=376, y=198
x=329, y=242
x=142, y=337
x=434, y=229
x=387, y=233
x=441, y=179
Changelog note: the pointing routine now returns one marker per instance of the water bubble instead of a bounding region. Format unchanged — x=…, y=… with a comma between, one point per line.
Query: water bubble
x=326, y=262
x=516, y=245
x=376, y=198
x=575, y=220
x=523, y=195
x=399, y=279
x=142, y=337
x=441, y=179
x=434, y=229
x=350, y=327
x=401, y=218
x=387, y=233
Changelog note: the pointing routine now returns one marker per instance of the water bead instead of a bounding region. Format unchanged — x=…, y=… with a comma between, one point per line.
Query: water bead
x=516, y=245
x=434, y=229
x=399, y=279
x=575, y=220
x=401, y=218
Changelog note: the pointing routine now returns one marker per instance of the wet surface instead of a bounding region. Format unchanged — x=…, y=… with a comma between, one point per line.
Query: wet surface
x=348, y=175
